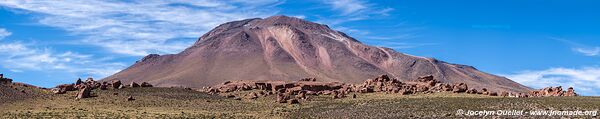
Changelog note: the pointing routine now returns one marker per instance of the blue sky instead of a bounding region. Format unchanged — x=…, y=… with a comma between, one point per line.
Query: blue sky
x=537, y=43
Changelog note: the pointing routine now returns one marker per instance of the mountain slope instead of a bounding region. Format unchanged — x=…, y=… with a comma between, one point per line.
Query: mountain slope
x=287, y=48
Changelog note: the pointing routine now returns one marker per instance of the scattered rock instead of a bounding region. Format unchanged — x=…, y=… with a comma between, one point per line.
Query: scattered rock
x=282, y=98
x=309, y=79
x=293, y=101
x=58, y=91
x=130, y=98
x=251, y=95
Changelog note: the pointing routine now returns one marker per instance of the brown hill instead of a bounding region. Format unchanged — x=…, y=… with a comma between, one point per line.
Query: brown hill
x=287, y=48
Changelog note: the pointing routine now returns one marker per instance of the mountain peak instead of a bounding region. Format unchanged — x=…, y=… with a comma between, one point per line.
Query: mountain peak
x=288, y=48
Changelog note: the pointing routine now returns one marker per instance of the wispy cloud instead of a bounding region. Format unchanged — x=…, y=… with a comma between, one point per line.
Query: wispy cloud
x=347, y=7
x=353, y=10
x=588, y=51
x=19, y=57
x=141, y=27
x=357, y=8
x=584, y=80
x=580, y=48
x=4, y=33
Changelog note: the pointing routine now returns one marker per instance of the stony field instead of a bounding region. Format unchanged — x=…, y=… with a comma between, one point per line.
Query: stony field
x=183, y=103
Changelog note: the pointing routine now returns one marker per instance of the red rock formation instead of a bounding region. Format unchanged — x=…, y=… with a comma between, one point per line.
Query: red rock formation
x=84, y=92
x=552, y=92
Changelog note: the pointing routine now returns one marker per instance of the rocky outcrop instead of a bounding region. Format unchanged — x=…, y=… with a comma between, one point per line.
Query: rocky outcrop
x=61, y=89
x=424, y=84
x=301, y=90
x=4, y=80
x=553, y=92
x=85, y=87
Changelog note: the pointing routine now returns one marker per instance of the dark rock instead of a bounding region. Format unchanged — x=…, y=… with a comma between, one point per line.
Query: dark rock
x=116, y=84
x=78, y=82
x=293, y=101
x=130, y=98
x=146, y=84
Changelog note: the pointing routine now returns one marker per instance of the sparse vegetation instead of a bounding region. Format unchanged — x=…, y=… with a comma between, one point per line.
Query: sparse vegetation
x=183, y=103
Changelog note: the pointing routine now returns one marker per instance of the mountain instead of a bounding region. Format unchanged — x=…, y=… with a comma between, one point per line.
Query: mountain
x=287, y=48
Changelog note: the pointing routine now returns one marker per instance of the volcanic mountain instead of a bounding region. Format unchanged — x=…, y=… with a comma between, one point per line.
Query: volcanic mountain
x=287, y=48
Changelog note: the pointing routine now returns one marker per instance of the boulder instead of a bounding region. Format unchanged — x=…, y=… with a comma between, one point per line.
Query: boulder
x=337, y=94
x=116, y=84
x=85, y=92
x=301, y=95
x=78, y=82
x=353, y=95
x=570, y=92
x=134, y=85
x=104, y=86
x=493, y=94
x=425, y=78
x=293, y=101
x=58, y=91
x=472, y=91
x=130, y=98
x=459, y=88
x=309, y=79
x=90, y=80
x=282, y=98
x=251, y=95
x=504, y=94
x=146, y=84
x=66, y=87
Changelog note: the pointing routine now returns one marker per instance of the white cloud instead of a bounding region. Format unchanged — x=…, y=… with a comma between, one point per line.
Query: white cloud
x=4, y=33
x=588, y=51
x=347, y=6
x=584, y=80
x=580, y=48
x=141, y=27
x=357, y=8
x=19, y=57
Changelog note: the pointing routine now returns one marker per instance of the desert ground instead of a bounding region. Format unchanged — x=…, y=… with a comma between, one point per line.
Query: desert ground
x=159, y=102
